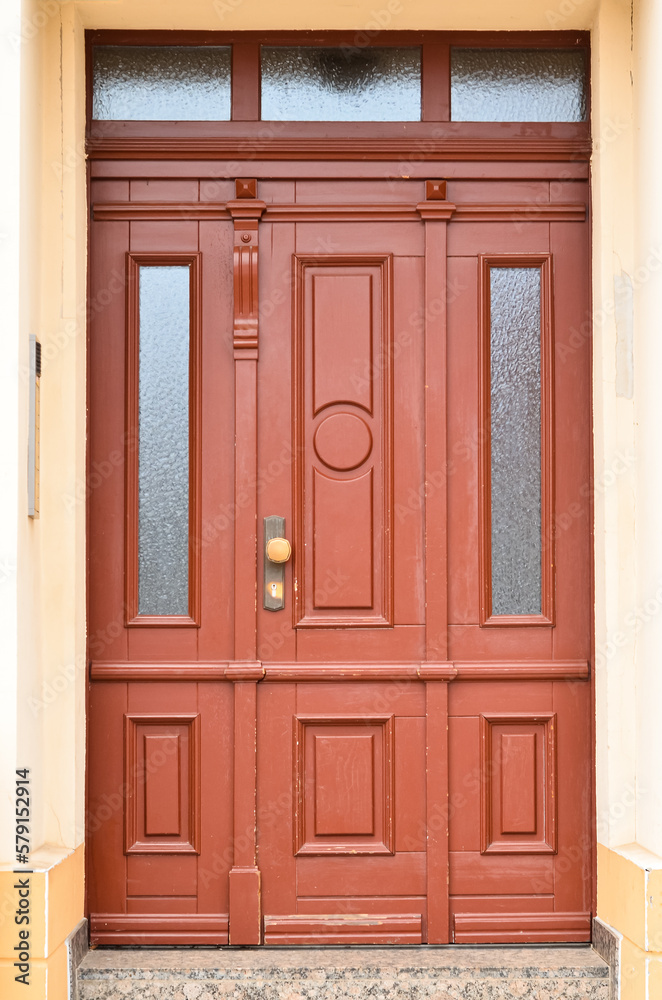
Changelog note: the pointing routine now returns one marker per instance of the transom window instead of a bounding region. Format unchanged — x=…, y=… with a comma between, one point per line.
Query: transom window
x=472, y=82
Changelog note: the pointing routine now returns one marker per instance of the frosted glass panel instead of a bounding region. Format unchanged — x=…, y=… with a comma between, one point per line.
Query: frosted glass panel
x=341, y=84
x=161, y=83
x=518, y=85
x=515, y=420
x=163, y=443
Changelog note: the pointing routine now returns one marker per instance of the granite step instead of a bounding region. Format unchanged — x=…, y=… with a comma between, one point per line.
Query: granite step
x=460, y=972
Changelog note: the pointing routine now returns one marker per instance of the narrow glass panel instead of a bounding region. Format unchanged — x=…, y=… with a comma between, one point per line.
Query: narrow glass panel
x=515, y=393
x=518, y=85
x=163, y=441
x=161, y=83
x=341, y=84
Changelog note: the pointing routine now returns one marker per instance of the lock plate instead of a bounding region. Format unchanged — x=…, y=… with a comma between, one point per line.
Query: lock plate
x=274, y=573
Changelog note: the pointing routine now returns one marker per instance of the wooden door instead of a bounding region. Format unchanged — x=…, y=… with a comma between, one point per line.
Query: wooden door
x=399, y=750
x=342, y=710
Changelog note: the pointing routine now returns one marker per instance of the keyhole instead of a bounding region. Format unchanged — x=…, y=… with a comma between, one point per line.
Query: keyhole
x=274, y=589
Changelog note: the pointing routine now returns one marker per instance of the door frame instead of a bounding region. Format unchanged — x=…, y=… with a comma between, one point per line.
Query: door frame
x=560, y=144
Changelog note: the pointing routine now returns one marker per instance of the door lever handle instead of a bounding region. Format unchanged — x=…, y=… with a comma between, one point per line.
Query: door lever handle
x=277, y=551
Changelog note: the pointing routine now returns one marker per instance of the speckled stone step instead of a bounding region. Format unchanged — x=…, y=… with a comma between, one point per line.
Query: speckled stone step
x=416, y=973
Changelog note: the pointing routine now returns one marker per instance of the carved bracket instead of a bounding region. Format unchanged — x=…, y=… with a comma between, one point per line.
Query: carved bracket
x=430, y=210
x=246, y=211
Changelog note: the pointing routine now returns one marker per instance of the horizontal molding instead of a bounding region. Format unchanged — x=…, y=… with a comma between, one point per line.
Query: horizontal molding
x=248, y=670
x=334, y=928
x=342, y=672
x=527, y=928
x=453, y=147
x=519, y=670
x=158, y=671
x=524, y=670
x=521, y=212
x=525, y=212
x=152, y=928
x=146, y=211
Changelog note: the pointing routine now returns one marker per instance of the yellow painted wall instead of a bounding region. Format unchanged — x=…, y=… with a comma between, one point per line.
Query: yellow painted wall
x=55, y=888
x=246, y=15
x=630, y=900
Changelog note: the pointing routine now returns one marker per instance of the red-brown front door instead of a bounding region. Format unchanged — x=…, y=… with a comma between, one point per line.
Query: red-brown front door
x=385, y=738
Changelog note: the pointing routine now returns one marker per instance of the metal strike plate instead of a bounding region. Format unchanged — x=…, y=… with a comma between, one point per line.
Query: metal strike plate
x=274, y=572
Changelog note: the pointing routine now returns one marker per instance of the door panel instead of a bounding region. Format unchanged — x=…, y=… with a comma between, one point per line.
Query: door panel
x=350, y=749
x=344, y=469
x=351, y=768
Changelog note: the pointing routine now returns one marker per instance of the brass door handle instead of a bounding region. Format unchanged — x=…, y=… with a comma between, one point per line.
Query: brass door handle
x=279, y=550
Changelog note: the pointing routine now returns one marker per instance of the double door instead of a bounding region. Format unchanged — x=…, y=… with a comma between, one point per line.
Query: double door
x=377, y=730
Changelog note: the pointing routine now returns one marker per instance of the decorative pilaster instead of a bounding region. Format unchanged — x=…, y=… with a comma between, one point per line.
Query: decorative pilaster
x=245, y=905
x=435, y=211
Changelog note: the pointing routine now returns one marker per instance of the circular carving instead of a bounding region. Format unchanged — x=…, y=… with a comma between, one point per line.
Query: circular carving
x=246, y=237
x=343, y=441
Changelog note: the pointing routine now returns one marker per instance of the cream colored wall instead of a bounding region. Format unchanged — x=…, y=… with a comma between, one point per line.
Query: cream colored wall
x=59, y=699
x=263, y=15
x=10, y=66
x=42, y=585
x=615, y=464
x=648, y=408
x=30, y=743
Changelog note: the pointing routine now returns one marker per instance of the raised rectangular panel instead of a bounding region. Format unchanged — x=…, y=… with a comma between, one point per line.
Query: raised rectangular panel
x=343, y=335
x=162, y=791
x=342, y=332
x=344, y=785
x=162, y=782
x=343, y=519
x=518, y=782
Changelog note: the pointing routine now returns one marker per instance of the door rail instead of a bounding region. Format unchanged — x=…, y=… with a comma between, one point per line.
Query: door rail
x=533, y=211
x=232, y=670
